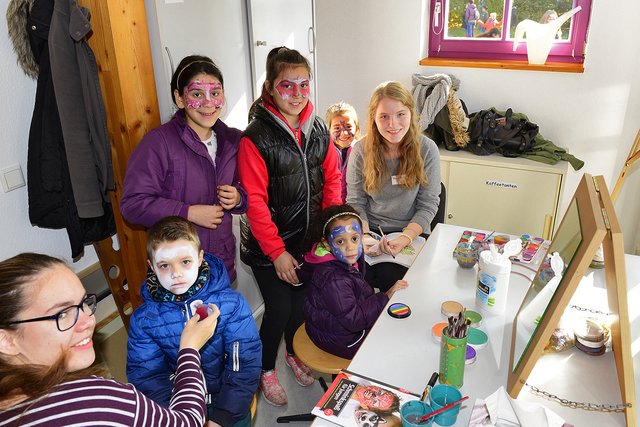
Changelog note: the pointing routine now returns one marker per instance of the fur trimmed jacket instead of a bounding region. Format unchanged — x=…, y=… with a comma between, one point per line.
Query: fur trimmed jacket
x=69, y=169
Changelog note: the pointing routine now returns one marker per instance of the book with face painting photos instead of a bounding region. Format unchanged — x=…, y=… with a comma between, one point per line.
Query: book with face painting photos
x=354, y=400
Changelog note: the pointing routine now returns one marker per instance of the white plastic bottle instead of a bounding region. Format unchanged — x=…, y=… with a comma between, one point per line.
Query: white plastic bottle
x=493, y=282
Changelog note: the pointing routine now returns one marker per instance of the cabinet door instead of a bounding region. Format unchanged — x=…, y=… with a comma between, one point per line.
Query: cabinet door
x=507, y=200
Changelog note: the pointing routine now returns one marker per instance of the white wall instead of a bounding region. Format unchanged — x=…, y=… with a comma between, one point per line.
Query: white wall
x=594, y=115
x=17, y=92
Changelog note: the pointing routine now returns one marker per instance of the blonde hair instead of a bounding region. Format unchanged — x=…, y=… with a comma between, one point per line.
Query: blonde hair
x=343, y=109
x=170, y=229
x=411, y=167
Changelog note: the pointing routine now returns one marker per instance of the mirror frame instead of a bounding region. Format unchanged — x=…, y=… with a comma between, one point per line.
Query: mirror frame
x=599, y=224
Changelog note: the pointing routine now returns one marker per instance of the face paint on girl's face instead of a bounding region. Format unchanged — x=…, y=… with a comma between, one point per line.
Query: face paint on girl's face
x=199, y=94
x=342, y=131
x=345, y=240
x=291, y=88
x=176, y=264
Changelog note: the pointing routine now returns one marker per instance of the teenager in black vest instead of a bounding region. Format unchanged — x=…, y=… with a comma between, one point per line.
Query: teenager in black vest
x=290, y=172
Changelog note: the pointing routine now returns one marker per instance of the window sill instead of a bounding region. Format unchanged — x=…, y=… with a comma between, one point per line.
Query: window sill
x=561, y=67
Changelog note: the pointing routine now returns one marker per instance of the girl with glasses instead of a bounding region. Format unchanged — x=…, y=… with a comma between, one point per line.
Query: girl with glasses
x=46, y=353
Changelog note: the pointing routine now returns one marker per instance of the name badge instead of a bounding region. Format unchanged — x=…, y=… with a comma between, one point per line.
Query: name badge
x=397, y=179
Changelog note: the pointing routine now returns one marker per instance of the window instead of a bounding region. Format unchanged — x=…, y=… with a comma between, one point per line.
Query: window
x=485, y=29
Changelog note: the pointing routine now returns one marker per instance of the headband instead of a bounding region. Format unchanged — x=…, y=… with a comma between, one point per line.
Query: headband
x=338, y=215
x=187, y=66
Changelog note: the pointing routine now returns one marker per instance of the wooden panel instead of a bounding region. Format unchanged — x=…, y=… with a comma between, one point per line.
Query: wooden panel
x=563, y=67
x=120, y=42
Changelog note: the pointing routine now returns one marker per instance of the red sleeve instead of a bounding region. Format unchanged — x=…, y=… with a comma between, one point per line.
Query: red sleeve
x=332, y=191
x=254, y=179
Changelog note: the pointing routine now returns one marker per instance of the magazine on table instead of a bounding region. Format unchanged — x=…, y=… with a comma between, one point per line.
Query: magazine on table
x=354, y=400
x=405, y=257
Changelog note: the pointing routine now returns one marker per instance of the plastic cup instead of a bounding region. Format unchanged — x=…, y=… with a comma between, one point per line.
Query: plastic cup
x=441, y=395
x=412, y=413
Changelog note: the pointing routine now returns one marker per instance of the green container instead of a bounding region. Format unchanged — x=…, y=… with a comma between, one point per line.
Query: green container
x=452, y=359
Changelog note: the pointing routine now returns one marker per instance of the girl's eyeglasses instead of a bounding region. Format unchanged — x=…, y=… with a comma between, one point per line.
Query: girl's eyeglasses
x=68, y=317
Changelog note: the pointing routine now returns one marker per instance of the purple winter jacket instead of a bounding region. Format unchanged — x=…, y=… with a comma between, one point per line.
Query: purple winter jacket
x=340, y=306
x=171, y=170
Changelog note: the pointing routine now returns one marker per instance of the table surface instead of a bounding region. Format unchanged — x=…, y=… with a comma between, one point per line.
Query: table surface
x=402, y=352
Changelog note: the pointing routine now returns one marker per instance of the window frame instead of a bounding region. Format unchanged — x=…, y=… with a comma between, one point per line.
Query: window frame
x=572, y=51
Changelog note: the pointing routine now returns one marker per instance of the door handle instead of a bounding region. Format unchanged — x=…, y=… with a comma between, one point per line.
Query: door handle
x=261, y=43
x=450, y=216
x=166, y=48
x=311, y=40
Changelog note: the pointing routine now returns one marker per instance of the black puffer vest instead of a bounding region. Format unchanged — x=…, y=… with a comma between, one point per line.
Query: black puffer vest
x=296, y=179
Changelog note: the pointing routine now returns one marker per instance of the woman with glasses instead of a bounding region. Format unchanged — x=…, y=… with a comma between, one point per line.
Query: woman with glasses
x=46, y=353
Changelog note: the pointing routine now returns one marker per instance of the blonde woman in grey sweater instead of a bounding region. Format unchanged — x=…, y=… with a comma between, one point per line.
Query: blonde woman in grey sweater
x=393, y=179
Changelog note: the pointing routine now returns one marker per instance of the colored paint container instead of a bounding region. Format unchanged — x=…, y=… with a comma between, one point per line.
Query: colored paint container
x=450, y=308
x=437, y=329
x=477, y=338
x=399, y=310
x=470, y=356
x=474, y=317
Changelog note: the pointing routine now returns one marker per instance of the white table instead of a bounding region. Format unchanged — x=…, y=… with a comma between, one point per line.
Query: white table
x=403, y=352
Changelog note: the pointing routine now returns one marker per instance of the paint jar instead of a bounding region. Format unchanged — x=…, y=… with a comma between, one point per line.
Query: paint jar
x=467, y=254
x=440, y=396
x=453, y=353
x=412, y=413
x=493, y=282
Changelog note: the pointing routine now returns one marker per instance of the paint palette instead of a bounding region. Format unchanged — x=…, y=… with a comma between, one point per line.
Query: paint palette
x=399, y=310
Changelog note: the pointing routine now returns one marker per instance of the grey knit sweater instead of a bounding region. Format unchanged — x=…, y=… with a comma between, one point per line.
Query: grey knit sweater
x=394, y=206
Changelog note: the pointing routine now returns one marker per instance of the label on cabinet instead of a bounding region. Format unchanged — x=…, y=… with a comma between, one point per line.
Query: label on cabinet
x=501, y=184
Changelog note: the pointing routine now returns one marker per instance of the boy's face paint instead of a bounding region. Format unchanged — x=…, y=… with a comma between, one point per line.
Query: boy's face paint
x=291, y=88
x=345, y=240
x=200, y=94
x=176, y=264
x=343, y=130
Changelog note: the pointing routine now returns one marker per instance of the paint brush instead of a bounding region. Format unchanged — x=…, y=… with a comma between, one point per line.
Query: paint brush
x=443, y=409
x=383, y=236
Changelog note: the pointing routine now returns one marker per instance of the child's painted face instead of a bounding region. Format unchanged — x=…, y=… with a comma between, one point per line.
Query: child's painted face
x=343, y=130
x=374, y=397
x=176, y=265
x=290, y=92
x=345, y=240
x=393, y=120
x=202, y=100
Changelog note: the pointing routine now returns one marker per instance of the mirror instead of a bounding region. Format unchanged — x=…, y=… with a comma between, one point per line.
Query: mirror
x=491, y=16
x=589, y=221
x=536, y=302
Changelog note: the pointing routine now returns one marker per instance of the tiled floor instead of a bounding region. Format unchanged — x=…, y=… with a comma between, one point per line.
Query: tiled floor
x=111, y=346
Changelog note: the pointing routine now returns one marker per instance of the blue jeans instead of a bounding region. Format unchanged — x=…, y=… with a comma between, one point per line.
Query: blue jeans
x=469, y=29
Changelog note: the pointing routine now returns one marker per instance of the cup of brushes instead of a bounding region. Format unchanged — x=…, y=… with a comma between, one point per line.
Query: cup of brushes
x=453, y=350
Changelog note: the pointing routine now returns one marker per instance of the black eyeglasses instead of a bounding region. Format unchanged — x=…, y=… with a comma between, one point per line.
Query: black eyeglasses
x=67, y=318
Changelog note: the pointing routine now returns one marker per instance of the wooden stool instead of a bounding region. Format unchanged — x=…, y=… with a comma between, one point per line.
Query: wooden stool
x=316, y=359
x=254, y=406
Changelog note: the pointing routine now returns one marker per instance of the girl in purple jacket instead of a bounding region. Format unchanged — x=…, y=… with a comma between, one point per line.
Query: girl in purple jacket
x=188, y=166
x=340, y=306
